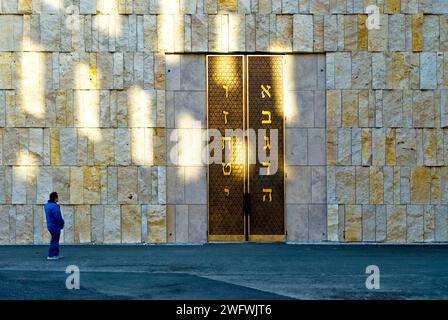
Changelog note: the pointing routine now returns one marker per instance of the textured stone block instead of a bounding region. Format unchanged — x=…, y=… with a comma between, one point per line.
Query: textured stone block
x=376, y=185
x=428, y=70
x=318, y=185
x=97, y=212
x=332, y=222
x=298, y=185
x=396, y=223
x=344, y=146
x=303, y=33
x=317, y=222
x=92, y=185
x=349, y=108
x=417, y=32
x=362, y=185
x=131, y=231
x=197, y=223
x=316, y=146
x=24, y=224
x=414, y=222
x=343, y=70
x=82, y=225
x=181, y=223
x=353, y=223
x=345, y=185
x=368, y=223
x=421, y=185
x=298, y=225
x=441, y=223
x=397, y=32
x=381, y=224
x=155, y=218
x=296, y=146
x=112, y=224
x=127, y=185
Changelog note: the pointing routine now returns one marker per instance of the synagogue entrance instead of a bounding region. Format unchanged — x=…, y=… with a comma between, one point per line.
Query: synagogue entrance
x=246, y=186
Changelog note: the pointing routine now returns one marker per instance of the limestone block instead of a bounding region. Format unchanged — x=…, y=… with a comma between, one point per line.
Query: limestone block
x=296, y=146
x=362, y=185
x=19, y=185
x=421, y=185
x=417, y=32
x=195, y=185
x=345, y=185
x=130, y=224
x=181, y=223
x=334, y=108
x=317, y=222
x=436, y=185
x=441, y=222
x=398, y=70
x=376, y=185
x=61, y=183
x=330, y=67
x=199, y=27
x=127, y=185
x=171, y=223
x=68, y=146
x=379, y=71
x=388, y=183
x=430, y=147
x=190, y=108
x=154, y=223
x=68, y=212
x=24, y=224
x=381, y=224
x=192, y=73
x=377, y=38
x=406, y=146
x=414, y=222
x=330, y=30
x=397, y=32
x=344, y=146
x=104, y=153
x=92, y=185
x=332, y=148
x=97, y=223
x=431, y=33
x=284, y=34
x=390, y=147
x=76, y=185
x=197, y=223
x=443, y=32
x=332, y=222
x=122, y=146
x=428, y=223
x=50, y=32
x=298, y=184
x=428, y=70
x=318, y=185
x=144, y=185
x=112, y=224
x=250, y=33
x=368, y=223
x=43, y=184
x=82, y=229
x=316, y=146
x=393, y=108
x=396, y=185
x=297, y=215
x=319, y=108
x=351, y=32
x=175, y=185
x=366, y=147
x=38, y=229
x=350, y=108
x=396, y=223
x=343, y=70
x=362, y=31
x=361, y=70
x=424, y=109
x=320, y=7
x=378, y=147
x=353, y=223
x=303, y=33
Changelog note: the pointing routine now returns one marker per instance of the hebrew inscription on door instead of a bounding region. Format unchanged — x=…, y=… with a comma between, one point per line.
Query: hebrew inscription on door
x=246, y=189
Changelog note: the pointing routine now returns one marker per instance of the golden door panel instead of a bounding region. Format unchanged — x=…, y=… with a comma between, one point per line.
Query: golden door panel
x=265, y=111
x=225, y=110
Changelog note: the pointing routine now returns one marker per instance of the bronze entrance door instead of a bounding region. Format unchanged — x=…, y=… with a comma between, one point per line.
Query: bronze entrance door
x=246, y=190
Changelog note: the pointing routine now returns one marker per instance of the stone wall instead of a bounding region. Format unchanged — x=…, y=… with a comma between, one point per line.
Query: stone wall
x=88, y=103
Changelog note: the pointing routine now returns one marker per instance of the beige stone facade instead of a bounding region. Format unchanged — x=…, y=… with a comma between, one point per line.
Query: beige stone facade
x=90, y=91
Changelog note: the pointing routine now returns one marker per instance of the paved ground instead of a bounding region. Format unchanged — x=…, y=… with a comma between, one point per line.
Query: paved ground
x=226, y=271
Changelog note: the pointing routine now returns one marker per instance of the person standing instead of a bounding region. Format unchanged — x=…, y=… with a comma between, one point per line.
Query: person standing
x=55, y=223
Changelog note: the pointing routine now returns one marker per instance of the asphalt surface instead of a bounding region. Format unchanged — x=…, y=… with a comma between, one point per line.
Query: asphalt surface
x=226, y=271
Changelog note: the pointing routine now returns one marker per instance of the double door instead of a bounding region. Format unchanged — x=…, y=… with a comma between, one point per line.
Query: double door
x=246, y=188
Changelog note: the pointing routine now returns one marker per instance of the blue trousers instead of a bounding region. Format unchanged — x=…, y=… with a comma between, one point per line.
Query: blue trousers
x=54, y=243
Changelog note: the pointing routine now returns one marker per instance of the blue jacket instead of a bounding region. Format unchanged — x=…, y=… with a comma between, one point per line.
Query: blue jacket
x=54, y=217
